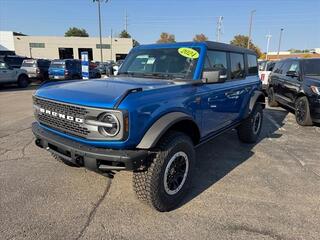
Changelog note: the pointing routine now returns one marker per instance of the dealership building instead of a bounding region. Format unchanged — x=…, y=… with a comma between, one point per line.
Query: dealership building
x=55, y=47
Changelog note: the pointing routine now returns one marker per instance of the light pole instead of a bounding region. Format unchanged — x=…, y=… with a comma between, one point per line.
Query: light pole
x=281, y=30
x=100, y=35
x=250, y=27
x=268, y=36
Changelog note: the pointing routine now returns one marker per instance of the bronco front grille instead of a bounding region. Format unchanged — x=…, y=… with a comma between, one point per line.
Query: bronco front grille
x=58, y=123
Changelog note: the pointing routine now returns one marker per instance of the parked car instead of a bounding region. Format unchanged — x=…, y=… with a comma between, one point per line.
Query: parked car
x=36, y=68
x=94, y=73
x=13, y=75
x=13, y=61
x=64, y=69
x=265, y=68
x=103, y=68
x=166, y=100
x=295, y=83
x=117, y=66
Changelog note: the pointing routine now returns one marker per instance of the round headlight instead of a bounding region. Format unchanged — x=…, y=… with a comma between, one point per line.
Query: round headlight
x=113, y=121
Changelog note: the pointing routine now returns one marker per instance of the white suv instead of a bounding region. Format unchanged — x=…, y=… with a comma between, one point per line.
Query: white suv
x=13, y=75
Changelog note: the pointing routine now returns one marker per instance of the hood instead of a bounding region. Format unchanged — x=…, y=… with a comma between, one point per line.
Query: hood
x=99, y=93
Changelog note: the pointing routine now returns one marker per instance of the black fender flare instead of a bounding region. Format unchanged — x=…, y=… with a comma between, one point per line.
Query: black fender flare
x=257, y=96
x=159, y=128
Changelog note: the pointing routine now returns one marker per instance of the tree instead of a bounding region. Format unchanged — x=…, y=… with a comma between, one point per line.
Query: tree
x=166, y=38
x=242, y=41
x=76, y=32
x=135, y=43
x=124, y=34
x=200, y=38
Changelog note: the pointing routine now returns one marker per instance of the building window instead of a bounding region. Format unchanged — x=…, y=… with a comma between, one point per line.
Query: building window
x=37, y=45
x=104, y=46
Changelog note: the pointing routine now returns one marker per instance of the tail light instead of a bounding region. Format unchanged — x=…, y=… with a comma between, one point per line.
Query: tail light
x=262, y=77
x=66, y=72
x=37, y=70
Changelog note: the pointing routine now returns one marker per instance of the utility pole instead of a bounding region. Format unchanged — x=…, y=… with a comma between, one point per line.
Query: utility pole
x=250, y=27
x=100, y=34
x=281, y=30
x=268, y=36
x=219, y=28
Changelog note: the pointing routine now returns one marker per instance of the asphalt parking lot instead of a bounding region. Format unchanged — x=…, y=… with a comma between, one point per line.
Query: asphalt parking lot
x=270, y=190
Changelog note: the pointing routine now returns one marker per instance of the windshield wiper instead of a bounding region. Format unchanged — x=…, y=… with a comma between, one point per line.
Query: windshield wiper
x=127, y=73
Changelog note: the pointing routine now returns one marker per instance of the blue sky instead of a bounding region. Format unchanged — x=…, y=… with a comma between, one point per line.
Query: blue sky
x=184, y=18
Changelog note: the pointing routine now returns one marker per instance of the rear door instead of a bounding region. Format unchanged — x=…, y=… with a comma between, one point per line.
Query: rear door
x=275, y=79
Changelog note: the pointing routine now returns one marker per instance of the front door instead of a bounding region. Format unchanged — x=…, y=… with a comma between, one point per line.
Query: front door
x=221, y=102
x=291, y=82
x=6, y=74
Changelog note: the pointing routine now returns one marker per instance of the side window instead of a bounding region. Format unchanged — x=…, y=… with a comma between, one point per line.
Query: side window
x=237, y=65
x=294, y=67
x=252, y=64
x=270, y=66
x=285, y=67
x=277, y=67
x=218, y=61
x=3, y=65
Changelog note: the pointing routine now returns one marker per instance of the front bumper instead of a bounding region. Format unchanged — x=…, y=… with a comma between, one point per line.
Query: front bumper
x=95, y=159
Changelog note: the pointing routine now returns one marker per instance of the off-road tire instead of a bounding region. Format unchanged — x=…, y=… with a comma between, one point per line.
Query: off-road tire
x=271, y=98
x=302, y=105
x=149, y=184
x=60, y=159
x=247, y=131
x=23, y=81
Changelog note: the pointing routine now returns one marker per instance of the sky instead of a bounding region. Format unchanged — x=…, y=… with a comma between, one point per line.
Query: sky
x=183, y=18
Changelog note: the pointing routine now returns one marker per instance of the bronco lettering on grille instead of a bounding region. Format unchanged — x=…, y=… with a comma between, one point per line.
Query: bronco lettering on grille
x=60, y=115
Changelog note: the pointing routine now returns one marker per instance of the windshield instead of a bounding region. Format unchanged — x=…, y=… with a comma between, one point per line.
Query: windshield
x=29, y=63
x=262, y=65
x=59, y=64
x=311, y=67
x=166, y=63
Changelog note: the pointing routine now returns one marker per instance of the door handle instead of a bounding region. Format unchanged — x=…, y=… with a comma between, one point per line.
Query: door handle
x=234, y=94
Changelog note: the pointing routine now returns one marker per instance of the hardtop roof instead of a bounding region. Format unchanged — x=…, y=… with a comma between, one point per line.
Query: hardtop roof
x=209, y=44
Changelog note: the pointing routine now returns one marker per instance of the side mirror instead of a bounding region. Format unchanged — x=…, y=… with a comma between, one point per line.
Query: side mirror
x=213, y=77
x=292, y=74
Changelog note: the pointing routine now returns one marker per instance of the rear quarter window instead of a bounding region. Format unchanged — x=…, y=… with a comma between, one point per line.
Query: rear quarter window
x=252, y=64
x=237, y=65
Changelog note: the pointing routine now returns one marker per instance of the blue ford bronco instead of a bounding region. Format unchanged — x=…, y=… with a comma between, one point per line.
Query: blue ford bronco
x=166, y=100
